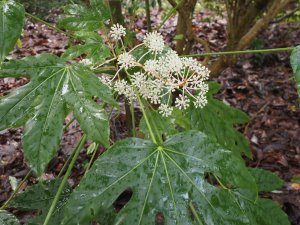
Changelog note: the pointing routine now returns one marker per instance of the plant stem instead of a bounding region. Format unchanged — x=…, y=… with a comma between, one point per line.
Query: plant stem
x=288, y=49
x=148, y=15
x=15, y=191
x=48, y=24
x=147, y=120
x=133, y=120
x=172, y=11
x=64, y=180
x=66, y=164
x=68, y=124
x=91, y=160
x=195, y=214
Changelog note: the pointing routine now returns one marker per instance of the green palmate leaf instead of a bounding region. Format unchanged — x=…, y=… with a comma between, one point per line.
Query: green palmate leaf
x=295, y=61
x=39, y=197
x=93, y=47
x=166, y=181
x=266, y=180
x=8, y=219
x=89, y=19
x=55, y=89
x=11, y=24
x=217, y=120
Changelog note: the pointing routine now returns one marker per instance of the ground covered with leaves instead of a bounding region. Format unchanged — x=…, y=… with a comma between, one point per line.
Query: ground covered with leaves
x=260, y=85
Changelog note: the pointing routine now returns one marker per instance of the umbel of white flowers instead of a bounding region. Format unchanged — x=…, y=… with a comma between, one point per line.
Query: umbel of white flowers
x=159, y=76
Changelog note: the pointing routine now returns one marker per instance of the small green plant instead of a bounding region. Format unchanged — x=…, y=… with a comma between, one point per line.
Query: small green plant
x=187, y=170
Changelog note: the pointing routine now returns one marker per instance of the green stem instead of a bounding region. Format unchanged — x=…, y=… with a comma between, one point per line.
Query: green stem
x=15, y=191
x=48, y=24
x=133, y=120
x=91, y=160
x=172, y=11
x=147, y=120
x=288, y=49
x=148, y=15
x=64, y=180
x=195, y=214
x=66, y=164
x=68, y=124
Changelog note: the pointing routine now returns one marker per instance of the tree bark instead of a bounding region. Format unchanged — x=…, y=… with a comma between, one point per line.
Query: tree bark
x=242, y=27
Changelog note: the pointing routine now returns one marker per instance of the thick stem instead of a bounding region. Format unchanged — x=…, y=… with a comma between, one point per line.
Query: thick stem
x=147, y=120
x=15, y=191
x=148, y=15
x=64, y=181
x=243, y=25
x=132, y=120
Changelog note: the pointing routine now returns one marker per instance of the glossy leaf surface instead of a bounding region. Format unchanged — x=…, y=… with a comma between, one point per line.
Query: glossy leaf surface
x=7, y=218
x=93, y=47
x=217, y=120
x=43, y=103
x=12, y=16
x=165, y=181
x=295, y=61
x=39, y=197
x=89, y=19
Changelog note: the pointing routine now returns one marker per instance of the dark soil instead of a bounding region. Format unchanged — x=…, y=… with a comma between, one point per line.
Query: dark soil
x=260, y=85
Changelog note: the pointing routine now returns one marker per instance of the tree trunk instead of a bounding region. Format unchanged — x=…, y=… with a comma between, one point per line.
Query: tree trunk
x=242, y=27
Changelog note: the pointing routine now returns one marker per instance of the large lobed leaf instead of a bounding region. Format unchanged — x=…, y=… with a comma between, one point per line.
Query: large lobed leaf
x=40, y=197
x=166, y=180
x=217, y=120
x=12, y=16
x=55, y=89
x=295, y=62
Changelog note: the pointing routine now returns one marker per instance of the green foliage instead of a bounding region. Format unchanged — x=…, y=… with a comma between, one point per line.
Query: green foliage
x=265, y=180
x=80, y=18
x=7, y=218
x=39, y=197
x=191, y=177
x=295, y=61
x=11, y=24
x=165, y=179
x=55, y=89
x=217, y=120
x=94, y=48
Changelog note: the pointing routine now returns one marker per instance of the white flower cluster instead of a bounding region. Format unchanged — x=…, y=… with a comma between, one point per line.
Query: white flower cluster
x=161, y=75
x=117, y=32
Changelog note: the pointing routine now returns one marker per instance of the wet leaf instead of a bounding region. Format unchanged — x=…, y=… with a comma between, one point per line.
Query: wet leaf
x=92, y=46
x=89, y=19
x=12, y=16
x=7, y=218
x=42, y=105
x=39, y=197
x=165, y=180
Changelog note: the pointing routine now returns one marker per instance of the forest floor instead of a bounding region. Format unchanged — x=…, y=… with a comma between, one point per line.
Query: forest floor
x=260, y=85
